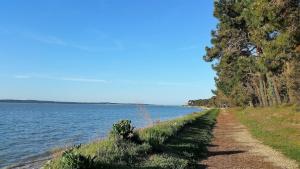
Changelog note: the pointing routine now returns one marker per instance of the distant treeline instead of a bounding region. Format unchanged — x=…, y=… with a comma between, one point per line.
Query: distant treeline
x=211, y=102
x=255, y=52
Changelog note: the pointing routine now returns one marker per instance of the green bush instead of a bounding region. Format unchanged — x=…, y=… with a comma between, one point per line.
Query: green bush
x=73, y=160
x=123, y=129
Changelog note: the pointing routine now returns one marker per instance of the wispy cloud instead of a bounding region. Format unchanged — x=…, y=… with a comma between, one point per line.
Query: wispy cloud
x=74, y=79
x=96, y=80
x=83, y=80
x=114, y=43
x=105, y=42
x=54, y=40
x=47, y=39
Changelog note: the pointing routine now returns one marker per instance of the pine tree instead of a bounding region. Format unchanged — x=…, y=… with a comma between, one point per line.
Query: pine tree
x=256, y=52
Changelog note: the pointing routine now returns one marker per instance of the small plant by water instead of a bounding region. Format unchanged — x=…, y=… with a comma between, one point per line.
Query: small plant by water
x=123, y=129
x=71, y=159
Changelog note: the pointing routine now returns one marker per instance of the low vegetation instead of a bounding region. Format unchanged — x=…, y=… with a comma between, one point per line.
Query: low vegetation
x=73, y=159
x=184, y=149
x=174, y=144
x=278, y=127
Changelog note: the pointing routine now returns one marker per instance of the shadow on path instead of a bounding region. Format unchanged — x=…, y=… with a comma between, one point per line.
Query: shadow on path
x=216, y=153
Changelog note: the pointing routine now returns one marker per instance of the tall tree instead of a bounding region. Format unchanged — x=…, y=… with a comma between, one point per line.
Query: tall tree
x=256, y=51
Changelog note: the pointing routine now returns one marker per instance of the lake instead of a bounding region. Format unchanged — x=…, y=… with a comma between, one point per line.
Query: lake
x=30, y=130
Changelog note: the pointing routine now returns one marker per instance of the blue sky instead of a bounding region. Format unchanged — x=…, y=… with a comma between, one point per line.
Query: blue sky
x=145, y=51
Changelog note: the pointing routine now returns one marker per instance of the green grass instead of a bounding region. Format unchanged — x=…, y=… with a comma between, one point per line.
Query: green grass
x=278, y=127
x=158, y=134
x=177, y=144
x=184, y=149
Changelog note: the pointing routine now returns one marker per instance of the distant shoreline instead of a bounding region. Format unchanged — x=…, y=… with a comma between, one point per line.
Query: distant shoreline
x=57, y=102
x=70, y=102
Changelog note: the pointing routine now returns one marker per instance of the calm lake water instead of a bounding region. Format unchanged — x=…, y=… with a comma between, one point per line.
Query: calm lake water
x=29, y=130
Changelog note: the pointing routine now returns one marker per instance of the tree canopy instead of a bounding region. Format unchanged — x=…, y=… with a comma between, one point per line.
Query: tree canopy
x=256, y=52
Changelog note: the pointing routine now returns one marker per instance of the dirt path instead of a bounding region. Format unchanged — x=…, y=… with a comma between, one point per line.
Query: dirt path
x=234, y=148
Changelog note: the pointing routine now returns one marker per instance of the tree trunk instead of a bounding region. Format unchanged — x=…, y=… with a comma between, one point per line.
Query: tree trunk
x=271, y=90
x=262, y=91
x=290, y=82
x=277, y=95
x=267, y=101
x=255, y=80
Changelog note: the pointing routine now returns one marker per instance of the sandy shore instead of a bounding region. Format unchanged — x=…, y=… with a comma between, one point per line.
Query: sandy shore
x=36, y=163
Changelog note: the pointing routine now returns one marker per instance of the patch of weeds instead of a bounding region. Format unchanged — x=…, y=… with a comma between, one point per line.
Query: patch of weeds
x=123, y=152
x=166, y=161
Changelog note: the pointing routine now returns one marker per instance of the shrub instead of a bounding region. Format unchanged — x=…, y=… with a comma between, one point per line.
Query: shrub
x=73, y=160
x=123, y=129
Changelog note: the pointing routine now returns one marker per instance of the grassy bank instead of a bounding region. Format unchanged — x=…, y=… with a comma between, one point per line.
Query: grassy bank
x=184, y=149
x=174, y=144
x=278, y=127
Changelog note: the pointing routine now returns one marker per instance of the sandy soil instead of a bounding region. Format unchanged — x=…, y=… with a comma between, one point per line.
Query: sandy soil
x=34, y=164
x=233, y=147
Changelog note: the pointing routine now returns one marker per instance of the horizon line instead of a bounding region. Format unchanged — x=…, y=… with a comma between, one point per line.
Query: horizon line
x=72, y=102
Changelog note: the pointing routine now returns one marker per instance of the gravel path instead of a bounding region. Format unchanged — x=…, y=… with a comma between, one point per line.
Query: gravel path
x=234, y=148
